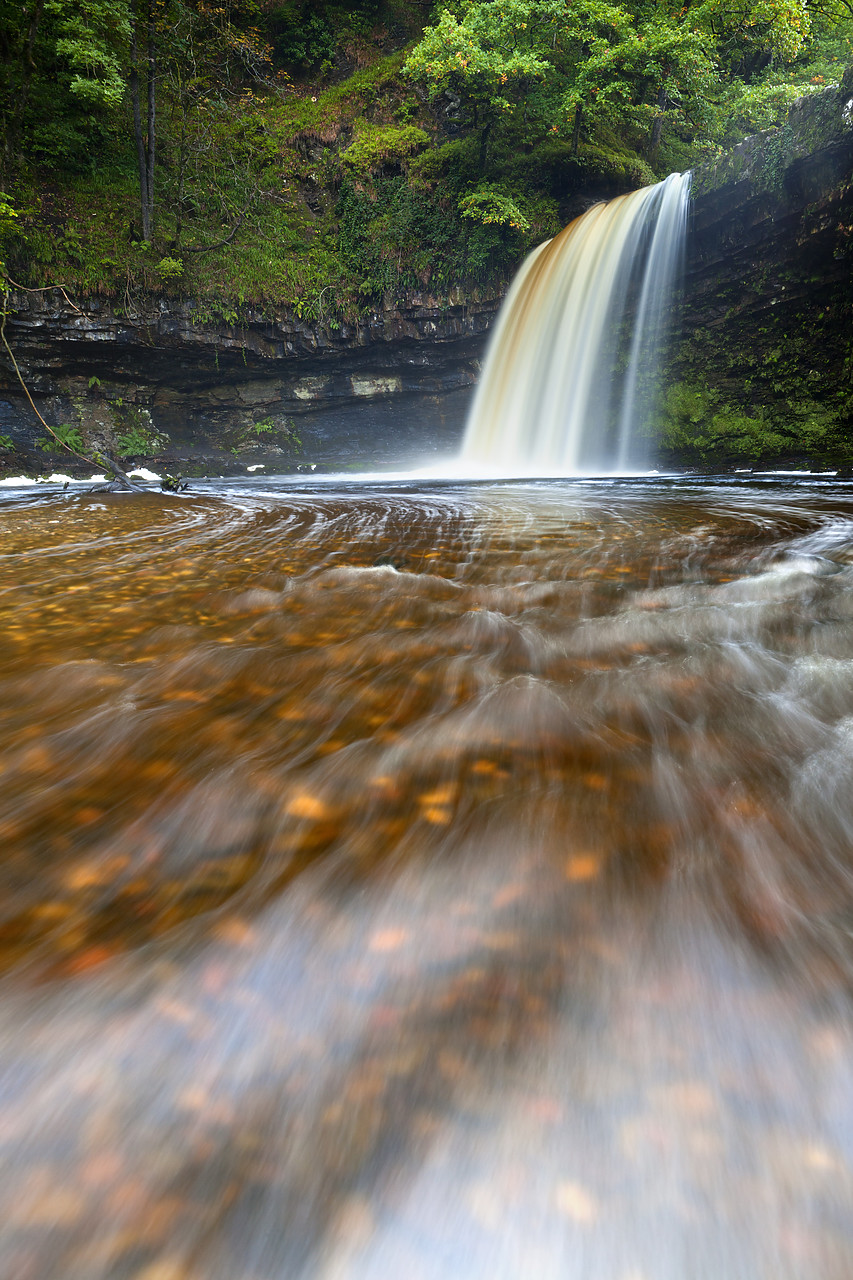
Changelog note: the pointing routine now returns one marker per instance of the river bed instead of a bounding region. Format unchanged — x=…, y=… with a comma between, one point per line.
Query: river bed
x=439, y=881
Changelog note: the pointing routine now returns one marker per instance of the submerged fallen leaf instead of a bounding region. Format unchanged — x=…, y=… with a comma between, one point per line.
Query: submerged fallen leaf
x=575, y=1202
x=167, y=1269
x=441, y=796
x=304, y=805
x=388, y=940
x=91, y=958
x=438, y=817
x=581, y=867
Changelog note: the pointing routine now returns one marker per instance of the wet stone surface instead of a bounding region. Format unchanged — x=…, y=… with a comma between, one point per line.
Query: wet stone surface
x=449, y=883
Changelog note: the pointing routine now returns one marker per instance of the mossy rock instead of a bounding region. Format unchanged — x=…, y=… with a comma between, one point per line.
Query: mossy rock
x=381, y=146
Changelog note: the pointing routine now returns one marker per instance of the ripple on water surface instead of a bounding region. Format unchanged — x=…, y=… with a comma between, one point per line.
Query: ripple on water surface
x=450, y=884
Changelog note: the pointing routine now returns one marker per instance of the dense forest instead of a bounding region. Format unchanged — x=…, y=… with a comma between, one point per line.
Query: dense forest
x=304, y=155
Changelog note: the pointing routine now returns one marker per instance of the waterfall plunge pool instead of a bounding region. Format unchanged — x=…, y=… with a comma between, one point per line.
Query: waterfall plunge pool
x=415, y=879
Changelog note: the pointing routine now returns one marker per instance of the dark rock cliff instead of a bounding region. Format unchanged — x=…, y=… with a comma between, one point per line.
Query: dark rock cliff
x=191, y=390
x=768, y=314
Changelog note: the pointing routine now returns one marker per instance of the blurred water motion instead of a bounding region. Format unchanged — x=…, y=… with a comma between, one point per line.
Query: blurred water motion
x=570, y=380
x=451, y=885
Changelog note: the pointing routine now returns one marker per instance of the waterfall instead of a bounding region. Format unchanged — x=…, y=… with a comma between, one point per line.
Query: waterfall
x=568, y=384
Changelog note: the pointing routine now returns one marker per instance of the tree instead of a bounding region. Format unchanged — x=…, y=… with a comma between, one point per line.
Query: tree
x=604, y=62
x=209, y=62
x=143, y=21
x=488, y=55
x=92, y=40
x=77, y=47
x=634, y=73
x=18, y=46
x=748, y=33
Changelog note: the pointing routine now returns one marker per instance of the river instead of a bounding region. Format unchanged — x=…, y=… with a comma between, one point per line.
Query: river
x=427, y=880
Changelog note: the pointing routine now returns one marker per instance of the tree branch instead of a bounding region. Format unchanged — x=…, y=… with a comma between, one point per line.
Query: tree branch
x=119, y=475
x=218, y=244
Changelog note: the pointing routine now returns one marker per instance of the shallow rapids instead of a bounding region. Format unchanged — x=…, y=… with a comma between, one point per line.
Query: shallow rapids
x=443, y=883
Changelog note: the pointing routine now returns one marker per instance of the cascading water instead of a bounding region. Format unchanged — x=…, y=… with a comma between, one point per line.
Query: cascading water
x=564, y=388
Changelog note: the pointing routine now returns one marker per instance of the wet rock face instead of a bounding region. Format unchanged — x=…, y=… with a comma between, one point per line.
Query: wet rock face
x=769, y=288
x=392, y=389
x=776, y=194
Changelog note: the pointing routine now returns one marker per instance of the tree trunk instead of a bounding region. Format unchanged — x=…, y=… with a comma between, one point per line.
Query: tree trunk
x=484, y=144
x=145, y=142
x=657, y=123
x=576, y=132
x=27, y=68
x=152, y=109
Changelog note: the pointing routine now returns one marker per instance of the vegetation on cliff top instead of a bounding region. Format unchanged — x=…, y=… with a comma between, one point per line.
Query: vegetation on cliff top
x=319, y=158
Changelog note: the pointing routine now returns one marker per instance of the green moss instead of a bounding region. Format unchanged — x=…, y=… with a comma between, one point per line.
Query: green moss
x=697, y=427
x=600, y=162
x=452, y=163
x=698, y=424
x=324, y=115
x=376, y=146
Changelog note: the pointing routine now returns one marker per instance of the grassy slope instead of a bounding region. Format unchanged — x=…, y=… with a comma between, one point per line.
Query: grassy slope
x=343, y=189
x=345, y=193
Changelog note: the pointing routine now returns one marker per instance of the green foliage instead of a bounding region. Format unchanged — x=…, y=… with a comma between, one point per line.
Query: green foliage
x=64, y=434
x=92, y=39
x=6, y=442
x=636, y=72
x=750, y=108
x=134, y=442
x=376, y=146
x=450, y=164
x=285, y=432
x=487, y=51
x=9, y=216
x=744, y=28
x=291, y=436
x=325, y=115
x=375, y=183
x=302, y=38
x=312, y=35
x=399, y=238
x=491, y=207
x=592, y=58
x=133, y=433
x=169, y=268
x=11, y=228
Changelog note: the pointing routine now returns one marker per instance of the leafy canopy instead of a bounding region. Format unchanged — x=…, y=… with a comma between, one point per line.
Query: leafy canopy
x=92, y=40
x=487, y=50
x=621, y=63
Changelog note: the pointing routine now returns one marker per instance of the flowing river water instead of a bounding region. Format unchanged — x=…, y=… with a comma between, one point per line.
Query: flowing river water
x=443, y=882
